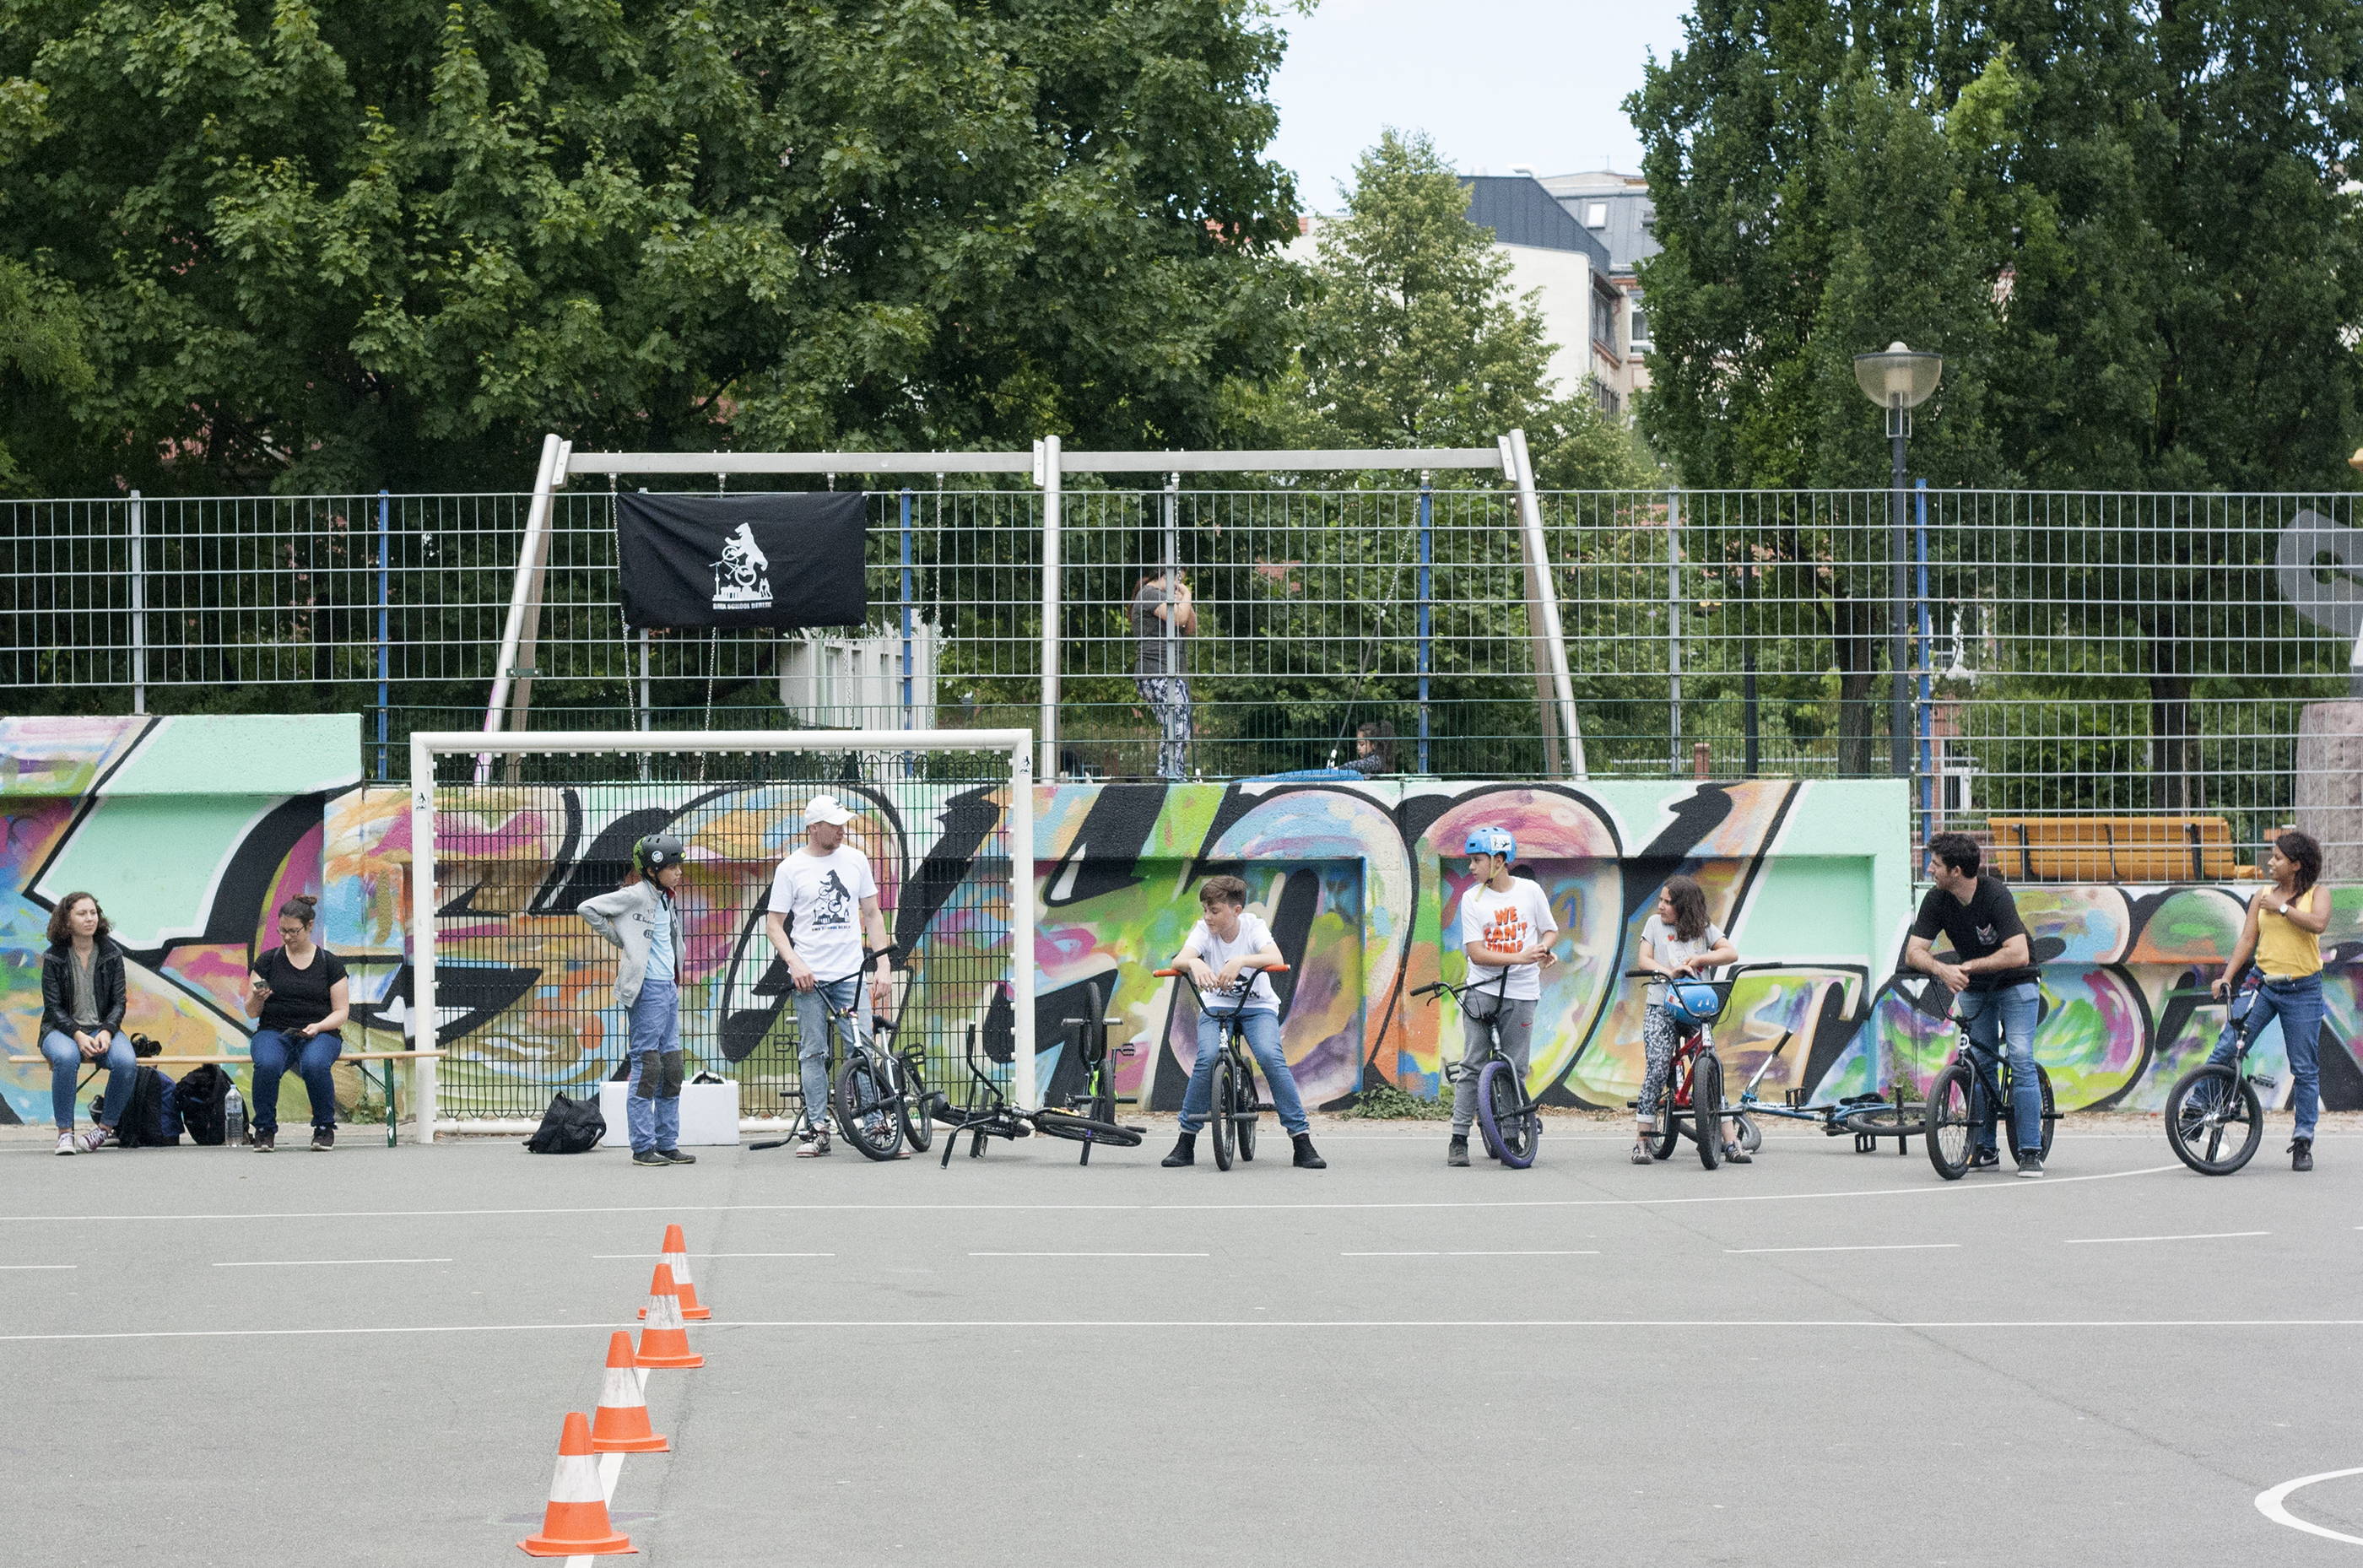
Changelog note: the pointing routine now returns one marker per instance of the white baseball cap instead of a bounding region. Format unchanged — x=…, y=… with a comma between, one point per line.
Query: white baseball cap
x=827, y=808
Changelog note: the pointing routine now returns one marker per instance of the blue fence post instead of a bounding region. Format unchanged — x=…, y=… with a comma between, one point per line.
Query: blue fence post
x=385, y=659
x=1427, y=561
x=1927, y=689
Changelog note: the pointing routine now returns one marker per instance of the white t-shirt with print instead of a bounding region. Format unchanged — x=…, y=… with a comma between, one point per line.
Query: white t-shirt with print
x=1659, y=940
x=1506, y=923
x=1253, y=937
x=821, y=896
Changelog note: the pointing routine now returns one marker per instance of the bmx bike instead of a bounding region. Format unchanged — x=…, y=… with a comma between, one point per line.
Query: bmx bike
x=879, y=1094
x=2214, y=1120
x=1691, y=1105
x=987, y=1113
x=1098, y=1100
x=1506, y=1115
x=1973, y=1091
x=1232, y=1121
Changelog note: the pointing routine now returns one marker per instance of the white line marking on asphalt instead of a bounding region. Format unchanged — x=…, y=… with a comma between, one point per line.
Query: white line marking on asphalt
x=658, y=1257
x=1577, y=1254
x=39, y=1265
x=1885, y=1247
x=320, y=1262
x=1088, y=1254
x=1128, y=1325
x=1388, y=1254
x=2047, y=1184
x=2203, y=1236
x=2273, y=1502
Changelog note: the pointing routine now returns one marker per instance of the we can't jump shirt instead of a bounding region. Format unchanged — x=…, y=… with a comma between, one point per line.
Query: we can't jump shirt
x=1506, y=923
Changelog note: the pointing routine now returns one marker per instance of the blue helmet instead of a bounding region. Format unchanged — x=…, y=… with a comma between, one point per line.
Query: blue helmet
x=1492, y=841
x=1692, y=1003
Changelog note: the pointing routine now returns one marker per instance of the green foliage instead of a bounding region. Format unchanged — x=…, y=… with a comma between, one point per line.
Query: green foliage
x=325, y=249
x=1387, y=1103
x=41, y=350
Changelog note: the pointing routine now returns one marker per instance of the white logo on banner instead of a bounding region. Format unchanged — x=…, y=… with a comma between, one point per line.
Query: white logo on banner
x=742, y=578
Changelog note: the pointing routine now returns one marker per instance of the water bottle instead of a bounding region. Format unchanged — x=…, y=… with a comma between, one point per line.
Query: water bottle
x=233, y=1119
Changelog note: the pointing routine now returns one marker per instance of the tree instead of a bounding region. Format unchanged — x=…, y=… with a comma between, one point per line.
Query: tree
x=329, y=248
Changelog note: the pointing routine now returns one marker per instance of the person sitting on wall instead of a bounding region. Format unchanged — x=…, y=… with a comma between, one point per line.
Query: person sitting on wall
x=1374, y=748
x=299, y=991
x=82, y=997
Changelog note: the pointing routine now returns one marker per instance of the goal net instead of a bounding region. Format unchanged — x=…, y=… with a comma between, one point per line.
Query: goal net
x=510, y=833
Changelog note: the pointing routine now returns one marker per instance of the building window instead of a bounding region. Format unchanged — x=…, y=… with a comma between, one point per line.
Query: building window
x=1604, y=322
x=1605, y=395
x=1640, y=322
x=1595, y=214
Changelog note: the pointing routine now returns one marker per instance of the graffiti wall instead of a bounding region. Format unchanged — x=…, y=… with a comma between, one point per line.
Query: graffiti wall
x=190, y=830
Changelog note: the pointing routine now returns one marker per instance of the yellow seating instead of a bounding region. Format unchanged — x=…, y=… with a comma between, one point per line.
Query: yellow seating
x=2115, y=849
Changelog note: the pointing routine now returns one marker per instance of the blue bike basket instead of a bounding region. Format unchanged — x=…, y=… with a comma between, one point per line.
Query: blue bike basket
x=1692, y=1003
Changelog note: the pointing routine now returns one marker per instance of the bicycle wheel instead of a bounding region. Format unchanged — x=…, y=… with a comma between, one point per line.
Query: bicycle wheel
x=1885, y=1120
x=1751, y=1137
x=2050, y=1113
x=913, y=1107
x=1076, y=1127
x=1706, y=1107
x=1226, y=1130
x=2213, y=1120
x=865, y=1109
x=1663, y=1141
x=1513, y=1128
x=1243, y=1087
x=1949, y=1124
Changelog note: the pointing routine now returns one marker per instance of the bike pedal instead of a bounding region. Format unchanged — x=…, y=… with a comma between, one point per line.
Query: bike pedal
x=2261, y=1082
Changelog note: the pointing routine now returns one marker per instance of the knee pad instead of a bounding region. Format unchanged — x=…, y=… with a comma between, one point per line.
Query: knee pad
x=648, y=1071
x=670, y=1088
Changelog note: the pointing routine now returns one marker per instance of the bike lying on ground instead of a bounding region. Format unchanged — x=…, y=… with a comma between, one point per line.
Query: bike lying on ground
x=987, y=1113
x=1693, y=1091
x=1868, y=1117
x=1096, y=1101
x=2214, y=1120
x=1973, y=1089
x=1511, y=1125
x=1232, y=1121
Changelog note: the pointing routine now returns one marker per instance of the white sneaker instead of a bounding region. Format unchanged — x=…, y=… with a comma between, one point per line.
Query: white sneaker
x=67, y=1143
x=97, y=1138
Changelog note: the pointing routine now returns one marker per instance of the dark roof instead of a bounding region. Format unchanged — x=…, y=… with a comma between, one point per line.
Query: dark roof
x=1520, y=211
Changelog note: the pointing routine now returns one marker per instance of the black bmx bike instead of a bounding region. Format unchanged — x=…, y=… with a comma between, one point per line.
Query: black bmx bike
x=987, y=1113
x=1097, y=1100
x=1232, y=1121
x=1974, y=1089
x=1506, y=1115
x=879, y=1094
x=2214, y=1120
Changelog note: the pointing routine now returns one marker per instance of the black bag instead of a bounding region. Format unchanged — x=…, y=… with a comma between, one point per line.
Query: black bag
x=148, y=1117
x=199, y=1098
x=568, y=1127
x=141, y=1045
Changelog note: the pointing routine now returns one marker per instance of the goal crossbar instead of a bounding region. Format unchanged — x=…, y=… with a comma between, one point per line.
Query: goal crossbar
x=425, y=746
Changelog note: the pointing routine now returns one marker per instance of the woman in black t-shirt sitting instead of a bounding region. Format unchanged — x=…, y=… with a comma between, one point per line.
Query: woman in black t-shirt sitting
x=298, y=991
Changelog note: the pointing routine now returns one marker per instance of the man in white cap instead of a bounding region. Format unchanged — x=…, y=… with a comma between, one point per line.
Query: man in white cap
x=816, y=892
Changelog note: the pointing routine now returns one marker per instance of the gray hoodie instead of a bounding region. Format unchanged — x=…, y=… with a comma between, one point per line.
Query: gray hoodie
x=627, y=918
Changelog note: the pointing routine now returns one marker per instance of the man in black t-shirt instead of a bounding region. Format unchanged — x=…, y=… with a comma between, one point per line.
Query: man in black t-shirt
x=1992, y=977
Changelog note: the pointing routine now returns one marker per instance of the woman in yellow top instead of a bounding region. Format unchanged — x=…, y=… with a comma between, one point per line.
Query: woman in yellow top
x=2284, y=935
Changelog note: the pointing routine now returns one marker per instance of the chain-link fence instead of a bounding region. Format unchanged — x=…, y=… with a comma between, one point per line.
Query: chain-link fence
x=2140, y=663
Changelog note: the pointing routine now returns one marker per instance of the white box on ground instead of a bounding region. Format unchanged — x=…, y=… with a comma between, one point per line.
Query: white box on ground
x=709, y=1114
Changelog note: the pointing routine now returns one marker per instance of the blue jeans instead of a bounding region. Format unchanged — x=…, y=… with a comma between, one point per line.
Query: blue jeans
x=812, y=1038
x=2298, y=1004
x=65, y=1067
x=2009, y=1013
x=653, y=1120
x=273, y=1054
x=1262, y=1029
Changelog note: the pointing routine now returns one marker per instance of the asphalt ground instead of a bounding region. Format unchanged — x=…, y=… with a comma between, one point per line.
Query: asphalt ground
x=365, y=1357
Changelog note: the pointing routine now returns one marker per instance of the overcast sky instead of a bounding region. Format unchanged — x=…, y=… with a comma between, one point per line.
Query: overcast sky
x=1493, y=82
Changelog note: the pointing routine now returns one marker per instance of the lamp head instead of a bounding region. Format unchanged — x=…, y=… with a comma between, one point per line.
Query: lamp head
x=1898, y=377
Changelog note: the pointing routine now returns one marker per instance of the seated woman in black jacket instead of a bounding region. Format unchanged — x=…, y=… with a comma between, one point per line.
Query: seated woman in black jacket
x=82, y=1017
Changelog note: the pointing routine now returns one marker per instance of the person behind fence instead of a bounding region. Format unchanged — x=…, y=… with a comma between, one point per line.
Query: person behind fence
x=1163, y=614
x=642, y=920
x=1374, y=748
x=1506, y=930
x=1227, y=954
x=81, y=1018
x=299, y=991
x=2283, y=934
x=1676, y=939
x=824, y=900
x=1992, y=981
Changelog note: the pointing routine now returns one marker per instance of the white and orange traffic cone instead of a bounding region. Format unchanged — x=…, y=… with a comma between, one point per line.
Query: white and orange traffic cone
x=676, y=1256
x=663, y=1340
x=576, y=1521
x=620, y=1424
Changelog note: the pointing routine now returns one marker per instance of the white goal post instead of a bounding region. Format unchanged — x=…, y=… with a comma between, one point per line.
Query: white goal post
x=741, y=788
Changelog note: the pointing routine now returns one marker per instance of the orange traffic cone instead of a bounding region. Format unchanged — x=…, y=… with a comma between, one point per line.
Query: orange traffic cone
x=620, y=1424
x=663, y=1341
x=576, y=1521
x=676, y=1254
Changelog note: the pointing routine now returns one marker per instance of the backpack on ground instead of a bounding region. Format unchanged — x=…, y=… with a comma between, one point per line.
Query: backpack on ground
x=568, y=1127
x=149, y=1116
x=199, y=1099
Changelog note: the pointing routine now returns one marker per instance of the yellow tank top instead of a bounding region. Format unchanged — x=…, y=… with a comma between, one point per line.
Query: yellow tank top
x=2283, y=951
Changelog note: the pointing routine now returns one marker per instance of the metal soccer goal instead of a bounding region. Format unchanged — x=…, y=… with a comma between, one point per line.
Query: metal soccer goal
x=510, y=833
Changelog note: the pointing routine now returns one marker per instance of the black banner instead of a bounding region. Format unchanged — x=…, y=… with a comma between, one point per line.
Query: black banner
x=786, y=561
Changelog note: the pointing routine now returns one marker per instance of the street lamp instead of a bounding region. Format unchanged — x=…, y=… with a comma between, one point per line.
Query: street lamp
x=1899, y=379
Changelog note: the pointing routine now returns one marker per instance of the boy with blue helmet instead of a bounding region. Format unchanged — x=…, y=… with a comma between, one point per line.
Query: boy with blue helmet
x=1506, y=930
x=1676, y=939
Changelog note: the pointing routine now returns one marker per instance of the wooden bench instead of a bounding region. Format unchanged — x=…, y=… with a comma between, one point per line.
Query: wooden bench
x=2115, y=849
x=415, y=1058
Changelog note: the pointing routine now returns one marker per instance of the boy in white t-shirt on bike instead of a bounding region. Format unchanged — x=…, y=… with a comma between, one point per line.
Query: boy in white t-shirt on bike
x=1507, y=930
x=1227, y=954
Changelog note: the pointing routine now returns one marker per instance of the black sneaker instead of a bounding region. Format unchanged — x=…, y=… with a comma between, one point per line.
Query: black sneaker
x=266, y=1139
x=1306, y=1158
x=322, y=1138
x=2302, y=1154
x=675, y=1156
x=1733, y=1154
x=1986, y=1160
x=1457, y=1152
x=2030, y=1164
x=1185, y=1152
x=649, y=1157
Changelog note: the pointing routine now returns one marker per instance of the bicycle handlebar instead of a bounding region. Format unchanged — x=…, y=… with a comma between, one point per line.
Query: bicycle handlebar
x=1249, y=969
